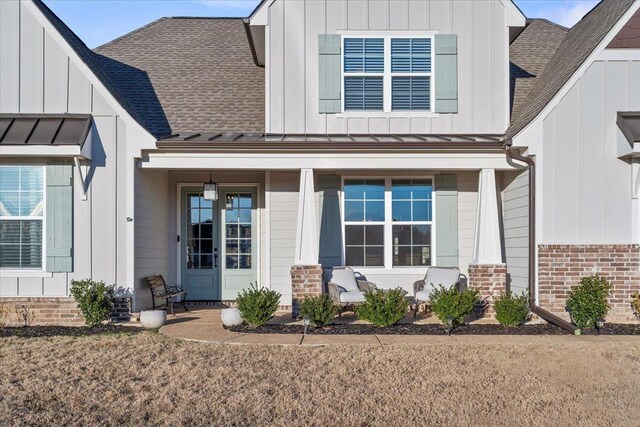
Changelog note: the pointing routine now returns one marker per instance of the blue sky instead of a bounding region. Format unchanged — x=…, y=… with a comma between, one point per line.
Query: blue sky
x=99, y=21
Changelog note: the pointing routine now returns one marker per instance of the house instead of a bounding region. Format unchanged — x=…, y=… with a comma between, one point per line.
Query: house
x=385, y=135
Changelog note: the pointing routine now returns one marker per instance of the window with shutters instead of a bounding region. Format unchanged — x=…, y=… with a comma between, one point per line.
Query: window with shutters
x=22, y=204
x=388, y=74
x=388, y=222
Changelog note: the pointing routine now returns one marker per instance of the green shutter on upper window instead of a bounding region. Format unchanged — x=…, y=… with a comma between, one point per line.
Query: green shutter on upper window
x=329, y=73
x=447, y=221
x=446, y=73
x=59, y=217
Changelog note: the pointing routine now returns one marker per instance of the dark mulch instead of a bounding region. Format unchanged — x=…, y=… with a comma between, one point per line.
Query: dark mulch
x=66, y=331
x=434, y=329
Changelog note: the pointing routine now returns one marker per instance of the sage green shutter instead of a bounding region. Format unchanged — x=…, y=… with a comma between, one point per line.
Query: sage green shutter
x=446, y=221
x=59, y=217
x=446, y=73
x=330, y=253
x=329, y=75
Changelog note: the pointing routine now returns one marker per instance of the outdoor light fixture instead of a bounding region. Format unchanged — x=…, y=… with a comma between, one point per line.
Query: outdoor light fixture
x=449, y=325
x=599, y=325
x=306, y=321
x=211, y=189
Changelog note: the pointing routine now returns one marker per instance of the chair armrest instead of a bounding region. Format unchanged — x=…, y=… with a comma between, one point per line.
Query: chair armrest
x=172, y=289
x=365, y=286
x=334, y=292
x=418, y=286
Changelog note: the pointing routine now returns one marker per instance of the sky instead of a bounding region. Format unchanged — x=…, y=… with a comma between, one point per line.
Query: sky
x=99, y=21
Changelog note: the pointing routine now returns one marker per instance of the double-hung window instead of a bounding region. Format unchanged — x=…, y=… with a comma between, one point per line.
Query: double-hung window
x=389, y=74
x=21, y=216
x=388, y=222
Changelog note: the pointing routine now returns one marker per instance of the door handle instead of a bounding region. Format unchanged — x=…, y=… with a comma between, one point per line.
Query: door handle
x=215, y=257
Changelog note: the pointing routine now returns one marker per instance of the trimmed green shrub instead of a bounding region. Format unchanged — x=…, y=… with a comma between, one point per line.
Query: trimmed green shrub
x=635, y=304
x=453, y=304
x=383, y=307
x=95, y=300
x=588, y=302
x=257, y=304
x=321, y=309
x=512, y=309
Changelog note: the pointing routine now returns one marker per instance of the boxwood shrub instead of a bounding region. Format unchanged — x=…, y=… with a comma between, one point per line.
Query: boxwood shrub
x=95, y=300
x=512, y=309
x=587, y=302
x=257, y=304
x=450, y=303
x=321, y=309
x=383, y=307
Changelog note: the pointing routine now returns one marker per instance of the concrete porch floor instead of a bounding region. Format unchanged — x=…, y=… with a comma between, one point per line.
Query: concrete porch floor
x=205, y=325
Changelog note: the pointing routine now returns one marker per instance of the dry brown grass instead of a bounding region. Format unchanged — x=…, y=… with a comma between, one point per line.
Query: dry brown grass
x=148, y=379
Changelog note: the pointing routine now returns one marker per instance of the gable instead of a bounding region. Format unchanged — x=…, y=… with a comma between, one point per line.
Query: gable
x=629, y=36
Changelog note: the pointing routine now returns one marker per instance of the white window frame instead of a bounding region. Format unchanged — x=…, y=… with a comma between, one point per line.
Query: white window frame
x=387, y=111
x=31, y=272
x=389, y=223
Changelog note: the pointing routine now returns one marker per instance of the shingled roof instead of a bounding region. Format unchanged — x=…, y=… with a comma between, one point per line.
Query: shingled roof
x=529, y=55
x=188, y=75
x=579, y=43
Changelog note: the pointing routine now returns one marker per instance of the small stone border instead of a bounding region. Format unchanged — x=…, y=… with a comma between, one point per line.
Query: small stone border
x=434, y=329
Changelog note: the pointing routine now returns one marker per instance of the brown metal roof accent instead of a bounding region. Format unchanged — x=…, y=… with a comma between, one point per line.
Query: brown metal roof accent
x=44, y=129
x=575, y=49
x=629, y=36
x=629, y=124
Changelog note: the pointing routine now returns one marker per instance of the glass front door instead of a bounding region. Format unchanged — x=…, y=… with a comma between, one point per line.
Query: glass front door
x=199, y=246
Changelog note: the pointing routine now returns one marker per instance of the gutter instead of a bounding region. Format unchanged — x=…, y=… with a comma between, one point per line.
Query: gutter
x=533, y=304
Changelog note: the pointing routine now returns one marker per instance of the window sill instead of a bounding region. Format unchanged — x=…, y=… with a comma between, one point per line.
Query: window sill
x=387, y=114
x=25, y=273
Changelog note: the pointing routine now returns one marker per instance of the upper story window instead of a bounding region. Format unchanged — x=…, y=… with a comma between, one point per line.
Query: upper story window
x=387, y=73
x=21, y=216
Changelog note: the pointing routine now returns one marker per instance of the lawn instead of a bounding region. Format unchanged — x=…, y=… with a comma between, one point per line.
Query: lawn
x=150, y=379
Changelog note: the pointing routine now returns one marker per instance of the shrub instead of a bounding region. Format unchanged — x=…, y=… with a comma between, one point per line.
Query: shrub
x=383, y=307
x=635, y=304
x=321, y=309
x=25, y=315
x=588, y=302
x=95, y=300
x=511, y=309
x=453, y=304
x=257, y=304
x=3, y=316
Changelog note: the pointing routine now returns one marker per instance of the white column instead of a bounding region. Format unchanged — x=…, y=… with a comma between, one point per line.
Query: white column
x=488, y=244
x=306, y=231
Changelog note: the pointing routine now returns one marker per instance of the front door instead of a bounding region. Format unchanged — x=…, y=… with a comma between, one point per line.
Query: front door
x=240, y=246
x=199, y=246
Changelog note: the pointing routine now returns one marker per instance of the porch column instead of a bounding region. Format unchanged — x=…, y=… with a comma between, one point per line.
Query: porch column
x=488, y=273
x=306, y=273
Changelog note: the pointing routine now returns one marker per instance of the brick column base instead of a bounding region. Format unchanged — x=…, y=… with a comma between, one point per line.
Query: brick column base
x=306, y=281
x=490, y=280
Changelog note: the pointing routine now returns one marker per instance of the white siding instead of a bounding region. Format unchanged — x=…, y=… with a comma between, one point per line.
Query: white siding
x=36, y=76
x=515, y=220
x=587, y=194
x=292, y=62
x=467, y=214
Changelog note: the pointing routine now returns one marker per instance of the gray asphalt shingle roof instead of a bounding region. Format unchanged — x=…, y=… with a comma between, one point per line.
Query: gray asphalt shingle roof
x=580, y=42
x=189, y=75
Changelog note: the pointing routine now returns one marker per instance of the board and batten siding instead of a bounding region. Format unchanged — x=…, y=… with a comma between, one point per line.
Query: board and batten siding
x=515, y=223
x=37, y=76
x=292, y=62
x=467, y=216
x=587, y=197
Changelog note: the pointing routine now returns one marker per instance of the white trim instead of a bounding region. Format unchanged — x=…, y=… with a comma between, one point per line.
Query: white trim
x=388, y=223
x=582, y=70
x=260, y=16
x=619, y=55
x=25, y=273
x=40, y=150
x=514, y=16
x=267, y=229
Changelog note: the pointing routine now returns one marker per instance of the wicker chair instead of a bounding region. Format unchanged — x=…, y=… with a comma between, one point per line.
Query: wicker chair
x=346, y=287
x=445, y=276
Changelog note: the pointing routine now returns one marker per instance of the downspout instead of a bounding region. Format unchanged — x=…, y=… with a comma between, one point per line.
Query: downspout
x=533, y=303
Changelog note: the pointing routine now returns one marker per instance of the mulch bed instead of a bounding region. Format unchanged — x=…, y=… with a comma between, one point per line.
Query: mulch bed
x=66, y=331
x=433, y=329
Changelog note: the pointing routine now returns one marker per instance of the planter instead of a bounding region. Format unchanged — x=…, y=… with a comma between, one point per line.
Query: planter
x=231, y=317
x=153, y=319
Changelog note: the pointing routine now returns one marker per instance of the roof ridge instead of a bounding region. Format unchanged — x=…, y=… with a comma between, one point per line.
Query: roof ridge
x=555, y=24
x=129, y=34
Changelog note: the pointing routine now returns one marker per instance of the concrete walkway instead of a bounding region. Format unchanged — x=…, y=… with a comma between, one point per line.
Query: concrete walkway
x=205, y=325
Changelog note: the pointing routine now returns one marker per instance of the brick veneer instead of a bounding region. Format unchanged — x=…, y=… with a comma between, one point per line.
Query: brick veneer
x=49, y=311
x=490, y=280
x=306, y=281
x=562, y=266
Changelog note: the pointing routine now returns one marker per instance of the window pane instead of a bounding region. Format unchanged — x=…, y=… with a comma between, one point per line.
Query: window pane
x=9, y=178
x=354, y=234
x=193, y=200
x=9, y=256
x=374, y=189
x=421, y=234
x=31, y=178
x=402, y=256
x=354, y=189
x=232, y=262
x=421, y=255
x=206, y=246
x=244, y=216
x=401, y=211
x=411, y=55
x=232, y=230
x=401, y=235
x=232, y=246
x=206, y=262
x=354, y=256
x=374, y=256
x=363, y=55
x=421, y=189
x=363, y=93
x=245, y=246
x=422, y=211
x=411, y=93
x=10, y=231
x=401, y=189
x=245, y=201
x=231, y=215
x=354, y=211
x=206, y=231
x=9, y=203
x=245, y=231
x=245, y=262
x=374, y=235
x=374, y=211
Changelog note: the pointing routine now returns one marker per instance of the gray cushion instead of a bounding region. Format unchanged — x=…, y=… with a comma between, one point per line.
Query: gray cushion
x=343, y=277
x=437, y=276
x=352, y=297
x=423, y=295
